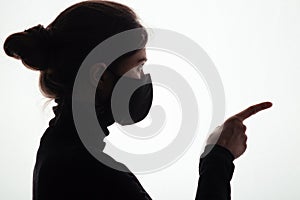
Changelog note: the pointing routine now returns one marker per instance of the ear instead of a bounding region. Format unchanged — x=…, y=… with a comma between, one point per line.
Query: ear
x=97, y=73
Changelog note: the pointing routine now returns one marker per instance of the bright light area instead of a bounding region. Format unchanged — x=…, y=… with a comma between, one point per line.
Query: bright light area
x=255, y=46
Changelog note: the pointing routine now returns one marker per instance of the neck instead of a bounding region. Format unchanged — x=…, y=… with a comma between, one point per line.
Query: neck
x=64, y=119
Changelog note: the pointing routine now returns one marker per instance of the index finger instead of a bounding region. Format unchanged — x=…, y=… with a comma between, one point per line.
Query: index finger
x=253, y=110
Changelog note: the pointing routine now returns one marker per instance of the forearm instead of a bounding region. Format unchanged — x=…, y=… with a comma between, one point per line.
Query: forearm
x=215, y=170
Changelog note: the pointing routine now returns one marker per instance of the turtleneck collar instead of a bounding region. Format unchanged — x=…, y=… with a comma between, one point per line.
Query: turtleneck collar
x=62, y=128
x=63, y=113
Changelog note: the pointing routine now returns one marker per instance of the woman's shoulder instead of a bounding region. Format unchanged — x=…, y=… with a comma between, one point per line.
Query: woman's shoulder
x=75, y=171
x=79, y=161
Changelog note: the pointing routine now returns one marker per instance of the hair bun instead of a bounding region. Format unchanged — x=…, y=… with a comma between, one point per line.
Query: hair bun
x=31, y=46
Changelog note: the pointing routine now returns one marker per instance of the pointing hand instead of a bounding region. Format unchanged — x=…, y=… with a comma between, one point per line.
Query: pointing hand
x=231, y=134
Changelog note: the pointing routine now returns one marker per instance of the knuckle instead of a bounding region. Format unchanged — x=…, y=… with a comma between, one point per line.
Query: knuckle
x=252, y=107
x=232, y=120
x=228, y=120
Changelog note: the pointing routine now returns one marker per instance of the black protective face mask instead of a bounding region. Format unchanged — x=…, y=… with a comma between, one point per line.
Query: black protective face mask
x=124, y=108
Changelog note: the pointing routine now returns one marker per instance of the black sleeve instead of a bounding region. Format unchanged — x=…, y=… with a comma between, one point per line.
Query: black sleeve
x=215, y=170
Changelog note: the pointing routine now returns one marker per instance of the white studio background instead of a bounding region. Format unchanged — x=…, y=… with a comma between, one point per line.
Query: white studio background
x=254, y=45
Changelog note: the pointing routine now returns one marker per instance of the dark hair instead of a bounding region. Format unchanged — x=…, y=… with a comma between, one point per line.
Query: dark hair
x=59, y=49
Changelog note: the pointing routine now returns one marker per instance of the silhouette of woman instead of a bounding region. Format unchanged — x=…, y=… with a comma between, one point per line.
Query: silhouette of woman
x=64, y=169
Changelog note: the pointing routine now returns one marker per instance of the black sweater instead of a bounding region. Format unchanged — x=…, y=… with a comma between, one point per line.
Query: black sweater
x=65, y=170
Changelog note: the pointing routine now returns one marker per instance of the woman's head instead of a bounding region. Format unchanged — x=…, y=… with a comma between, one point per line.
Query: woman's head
x=58, y=50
